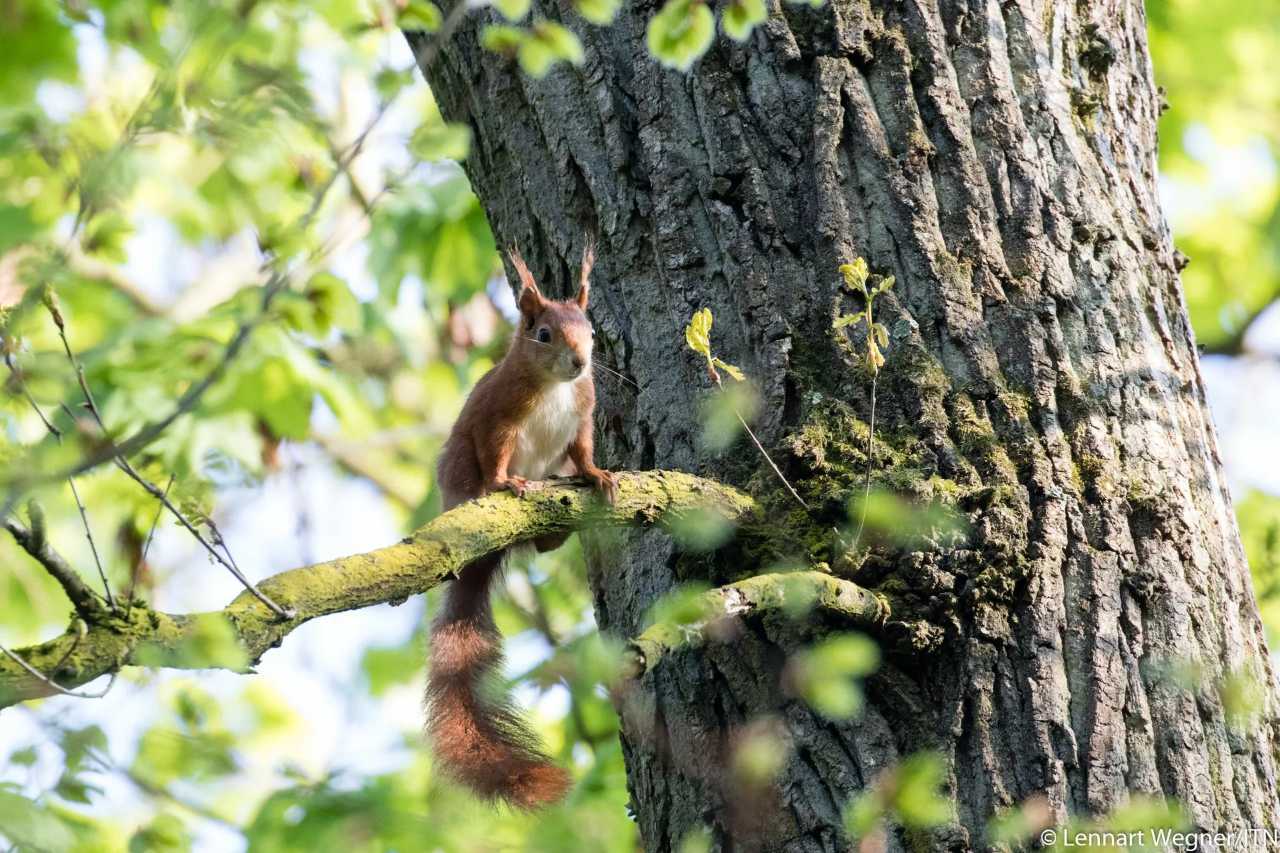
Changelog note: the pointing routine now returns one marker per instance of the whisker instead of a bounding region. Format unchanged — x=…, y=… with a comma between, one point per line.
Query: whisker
x=594, y=364
x=615, y=373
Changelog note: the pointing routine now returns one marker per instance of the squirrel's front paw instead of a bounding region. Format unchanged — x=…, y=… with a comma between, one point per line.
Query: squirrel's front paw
x=605, y=482
x=516, y=485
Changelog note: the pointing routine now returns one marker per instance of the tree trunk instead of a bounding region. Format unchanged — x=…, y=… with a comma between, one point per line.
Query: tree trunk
x=999, y=159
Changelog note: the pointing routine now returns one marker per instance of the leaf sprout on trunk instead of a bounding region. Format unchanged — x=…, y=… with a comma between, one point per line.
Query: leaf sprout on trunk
x=876, y=341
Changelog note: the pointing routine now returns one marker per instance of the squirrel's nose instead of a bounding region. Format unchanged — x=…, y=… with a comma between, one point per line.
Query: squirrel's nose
x=578, y=362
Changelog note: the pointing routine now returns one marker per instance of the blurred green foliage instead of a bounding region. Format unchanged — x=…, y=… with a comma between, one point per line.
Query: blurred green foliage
x=158, y=158
x=1219, y=142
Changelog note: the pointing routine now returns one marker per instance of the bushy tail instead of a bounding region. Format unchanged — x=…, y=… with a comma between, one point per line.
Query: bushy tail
x=477, y=736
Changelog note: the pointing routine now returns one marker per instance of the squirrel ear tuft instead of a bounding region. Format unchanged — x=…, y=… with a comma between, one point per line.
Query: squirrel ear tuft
x=584, y=279
x=529, y=299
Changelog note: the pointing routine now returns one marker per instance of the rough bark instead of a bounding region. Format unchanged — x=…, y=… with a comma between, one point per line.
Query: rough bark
x=998, y=158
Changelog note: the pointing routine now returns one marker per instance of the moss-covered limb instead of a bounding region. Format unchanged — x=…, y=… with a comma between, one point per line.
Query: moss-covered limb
x=790, y=592
x=414, y=565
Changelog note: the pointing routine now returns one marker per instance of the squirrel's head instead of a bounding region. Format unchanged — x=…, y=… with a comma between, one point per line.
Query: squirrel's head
x=554, y=336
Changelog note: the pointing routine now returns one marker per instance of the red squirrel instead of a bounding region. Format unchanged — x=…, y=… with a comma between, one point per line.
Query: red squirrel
x=527, y=418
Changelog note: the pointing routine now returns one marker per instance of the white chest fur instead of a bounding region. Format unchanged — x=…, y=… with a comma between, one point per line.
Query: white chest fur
x=547, y=433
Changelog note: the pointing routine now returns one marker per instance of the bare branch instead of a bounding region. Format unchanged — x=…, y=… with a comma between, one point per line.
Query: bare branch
x=34, y=543
x=57, y=434
x=433, y=554
x=93, y=546
x=146, y=545
x=16, y=373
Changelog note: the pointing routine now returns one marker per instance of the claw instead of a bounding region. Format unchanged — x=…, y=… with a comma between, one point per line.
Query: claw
x=516, y=485
x=605, y=482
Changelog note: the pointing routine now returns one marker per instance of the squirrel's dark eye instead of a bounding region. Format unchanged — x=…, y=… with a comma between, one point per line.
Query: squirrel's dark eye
x=544, y=335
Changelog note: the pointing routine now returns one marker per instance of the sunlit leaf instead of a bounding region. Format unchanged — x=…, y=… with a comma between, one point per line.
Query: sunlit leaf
x=685, y=605
x=721, y=412
x=512, y=10
x=547, y=44
x=211, y=641
x=503, y=39
x=441, y=141
x=699, y=529
x=166, y=833
x=740, y=17
x=847, y=320
x=421, y=15
x=600, y=12
x=824, y=674
x=855, y=275
x=27, y=823
x=681, y=32
x=697, y=334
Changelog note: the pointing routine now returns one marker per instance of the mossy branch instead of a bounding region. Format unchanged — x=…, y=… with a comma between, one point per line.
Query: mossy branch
x=796, y=593
x=434, y=553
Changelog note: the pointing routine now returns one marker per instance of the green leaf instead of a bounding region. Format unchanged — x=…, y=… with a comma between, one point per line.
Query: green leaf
x=16, y=226
x=333, y=302
x=24, y=757
x=684, y=605
x=847, y=320
x=699, y=529
x=512, y=10
x=855, y=275
x=421, y=16
x=547, y=44
x=919, y=802
x=598, y=11
x=441, y=140
x=729, y=369
x=166, y=755
x=213, y=642
x=165, y=834
x=720, y=424
x=846, y=655
x=740, y=17
x=885, y=284
x=681, y=33
x=698, y=333
x=28, y=824
x=835, y=700
x=824, y=675
x=503, y=39
x=387, y=666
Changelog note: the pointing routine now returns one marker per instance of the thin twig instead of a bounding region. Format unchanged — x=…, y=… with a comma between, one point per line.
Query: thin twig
x=871, y=437
x=34, y=543
x=37, y=538
x=767, y=458
x=17, y=377
x=151, y=488
x=51, y=684
x=149, y=433
x=93, y=546
x=146, y=546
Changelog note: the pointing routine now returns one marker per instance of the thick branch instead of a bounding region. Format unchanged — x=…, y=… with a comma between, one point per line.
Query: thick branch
x=794, y=592
x=388, y=575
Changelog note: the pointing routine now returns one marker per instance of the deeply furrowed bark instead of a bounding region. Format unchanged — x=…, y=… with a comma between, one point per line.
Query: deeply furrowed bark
x=998, y=158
